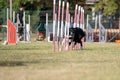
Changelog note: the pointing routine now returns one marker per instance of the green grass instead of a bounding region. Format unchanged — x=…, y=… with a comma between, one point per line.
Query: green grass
x=36, y=61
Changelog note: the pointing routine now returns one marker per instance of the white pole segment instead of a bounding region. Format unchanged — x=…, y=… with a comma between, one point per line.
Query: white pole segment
x=11, y=10
x=29, y=25
x=46, y=26
x=24, y=18
x=29, y=19
x=96, y=21
x=7, y=22
x=24, y=26
x=13, y=16
x=68, y=25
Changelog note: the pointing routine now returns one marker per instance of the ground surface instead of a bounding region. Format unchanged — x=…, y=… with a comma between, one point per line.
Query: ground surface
x=36, y=61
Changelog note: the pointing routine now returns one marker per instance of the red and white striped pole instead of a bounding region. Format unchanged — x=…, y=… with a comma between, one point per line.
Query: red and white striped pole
x=75, y=16
x=68, y=47
x=67, y=27
x=58, y=30
x=54, y=23
x=66, y=24
x=82, y=18
x=78, y=17
x=62, y=24
x=82, y=25
x=78, y=24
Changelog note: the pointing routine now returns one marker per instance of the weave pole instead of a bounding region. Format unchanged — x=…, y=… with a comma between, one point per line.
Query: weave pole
x=61, y=38
x=83, y=22
x=62, y=25
x=82, y=25
x=78, y=17
x=58, y=29
x=66, y=24
x=77, y=46
x=67, y=27
x=75, y=16
x=54, y=23
x=68, y=47
x=81, y=18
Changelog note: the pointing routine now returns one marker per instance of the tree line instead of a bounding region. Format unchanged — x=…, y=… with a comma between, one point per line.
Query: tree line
x=110, y=6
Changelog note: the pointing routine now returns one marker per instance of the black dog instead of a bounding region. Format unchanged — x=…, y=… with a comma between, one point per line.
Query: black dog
x=76, y=35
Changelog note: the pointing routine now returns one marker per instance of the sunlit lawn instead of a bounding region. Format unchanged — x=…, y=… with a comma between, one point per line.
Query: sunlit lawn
x=36, y=61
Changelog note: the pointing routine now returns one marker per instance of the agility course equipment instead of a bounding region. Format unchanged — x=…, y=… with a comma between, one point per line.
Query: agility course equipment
x=54, y=23
x=26, y=28
x=11, y=32
x=61, y=37
x=62, y=25
x=12, y=29
x=2, y=33
x=89, y=31
x=102, y=31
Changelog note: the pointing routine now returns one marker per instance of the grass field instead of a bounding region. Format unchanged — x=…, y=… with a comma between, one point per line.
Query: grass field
x=36, y=61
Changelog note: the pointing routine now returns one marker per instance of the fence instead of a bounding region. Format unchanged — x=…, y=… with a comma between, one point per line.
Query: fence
x=109, y=22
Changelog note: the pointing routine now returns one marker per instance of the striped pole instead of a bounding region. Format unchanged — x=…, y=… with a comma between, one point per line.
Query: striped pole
x=78, y=24
x=81, y=13
x=66, y=23
x=58, y=29
x=62, y=24
x=83, y=20
x=54, y=23
x=68, y=31
x=83, y=39
x=78, y=17
x=67, y=27
x=75, y=16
